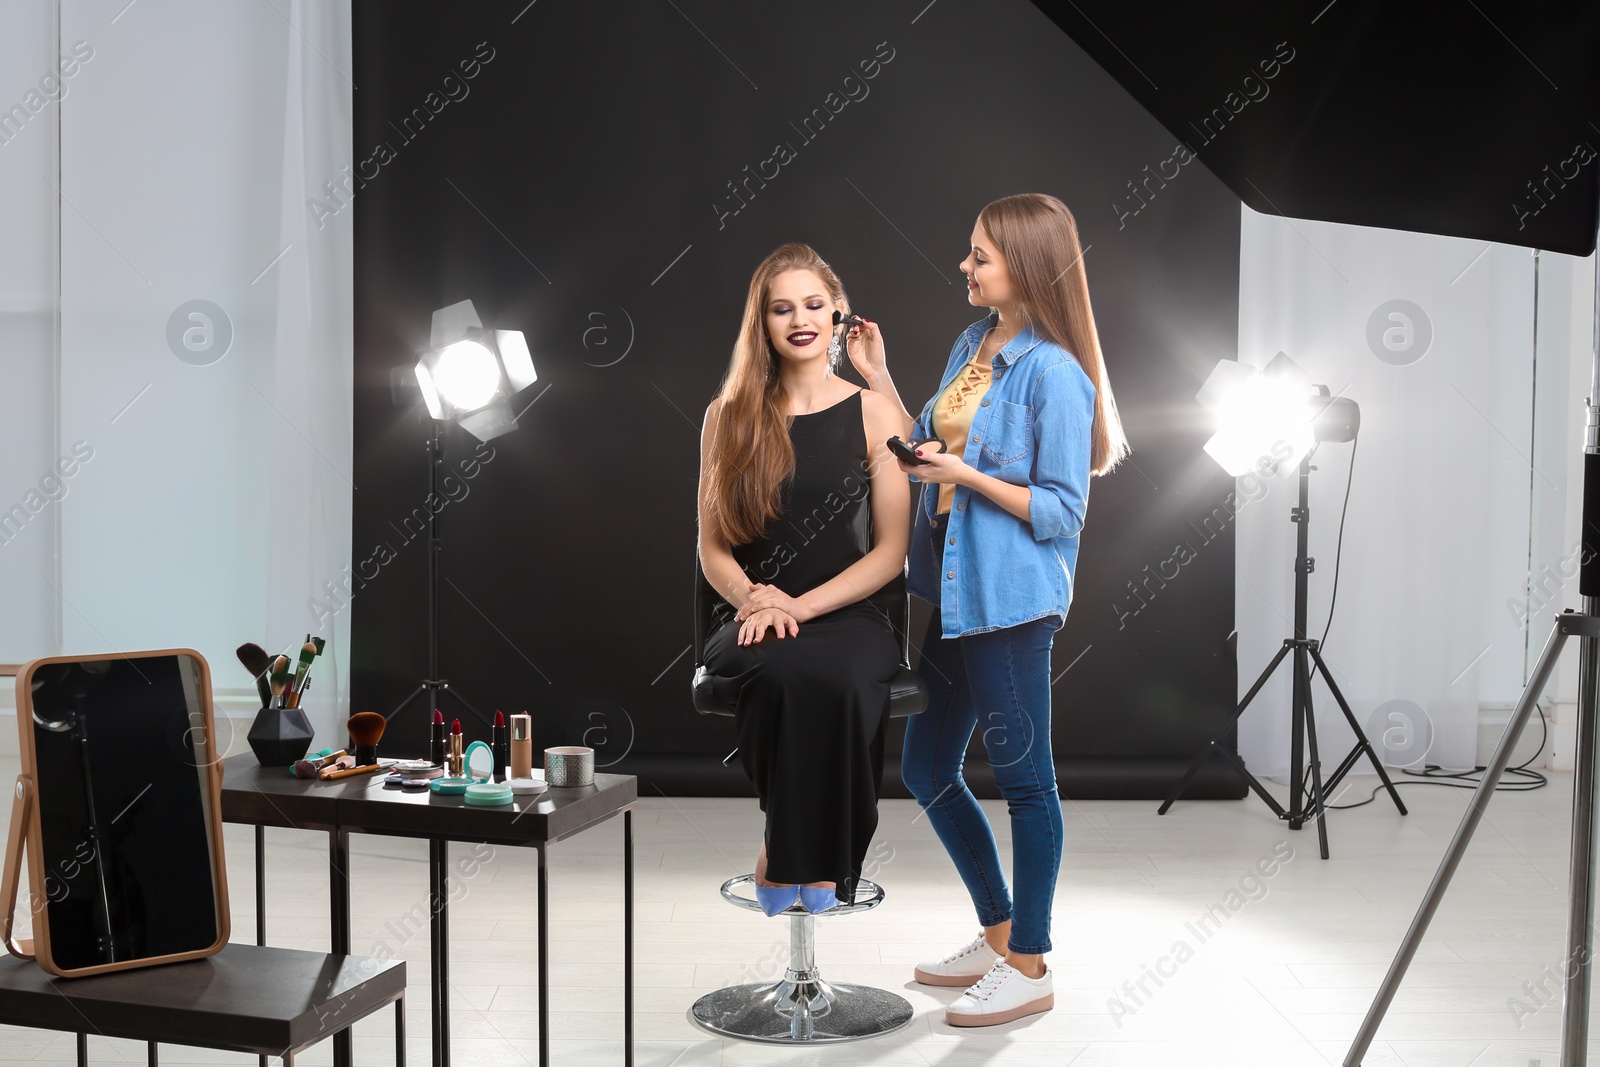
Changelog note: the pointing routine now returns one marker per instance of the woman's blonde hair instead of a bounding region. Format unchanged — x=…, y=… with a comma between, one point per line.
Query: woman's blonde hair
x=750, y=454
x=1038, y=237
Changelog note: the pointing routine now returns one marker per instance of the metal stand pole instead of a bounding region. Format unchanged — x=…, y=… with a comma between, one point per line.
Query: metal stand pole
x=433, y=685
x=1585, y=625
x=1568, y=624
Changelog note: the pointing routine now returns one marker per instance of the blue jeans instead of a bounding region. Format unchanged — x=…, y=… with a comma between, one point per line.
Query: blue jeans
x=1001, y=677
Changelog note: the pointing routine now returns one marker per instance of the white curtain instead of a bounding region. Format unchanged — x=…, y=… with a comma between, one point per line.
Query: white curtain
x=218, y=500
x=1436, y=540
x=309, y=545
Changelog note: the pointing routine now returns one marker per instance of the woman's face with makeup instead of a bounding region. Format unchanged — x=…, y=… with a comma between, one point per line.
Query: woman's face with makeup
x=799, y=315
x=988, y=280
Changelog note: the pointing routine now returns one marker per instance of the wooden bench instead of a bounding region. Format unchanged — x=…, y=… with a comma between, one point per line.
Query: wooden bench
x=246, y=998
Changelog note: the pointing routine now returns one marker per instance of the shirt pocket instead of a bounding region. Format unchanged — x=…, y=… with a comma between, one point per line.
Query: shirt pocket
x=1009, y=438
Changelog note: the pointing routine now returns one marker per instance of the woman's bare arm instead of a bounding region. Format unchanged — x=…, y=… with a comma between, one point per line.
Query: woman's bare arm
x=868, y=355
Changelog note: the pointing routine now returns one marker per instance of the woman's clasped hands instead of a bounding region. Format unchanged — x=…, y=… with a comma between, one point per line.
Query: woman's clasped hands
x=768, y=606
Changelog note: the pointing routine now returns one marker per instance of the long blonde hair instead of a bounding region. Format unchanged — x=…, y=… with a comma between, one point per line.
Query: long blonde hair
x=750, y=452
x=1038, y=237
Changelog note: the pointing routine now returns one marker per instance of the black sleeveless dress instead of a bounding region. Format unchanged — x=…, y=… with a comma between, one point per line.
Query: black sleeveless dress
x=811, y=708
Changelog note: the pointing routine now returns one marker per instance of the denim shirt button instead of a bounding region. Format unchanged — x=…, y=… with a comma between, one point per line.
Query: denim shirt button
x=960, y=507
x=950, y=574
x=984, y=404
x=977, y=437
x=952, y=540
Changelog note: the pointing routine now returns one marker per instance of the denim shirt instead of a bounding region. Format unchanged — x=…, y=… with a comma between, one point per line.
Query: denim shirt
x=1033, y=427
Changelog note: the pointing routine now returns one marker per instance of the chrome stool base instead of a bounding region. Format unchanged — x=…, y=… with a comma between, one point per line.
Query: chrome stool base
x=802, y=1008
x=801, y=1013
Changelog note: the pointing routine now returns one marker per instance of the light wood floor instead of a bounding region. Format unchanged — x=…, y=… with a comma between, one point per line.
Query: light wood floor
x=1282, y=980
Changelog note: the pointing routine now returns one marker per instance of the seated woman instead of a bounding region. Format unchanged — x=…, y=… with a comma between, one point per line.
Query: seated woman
x=804, y=524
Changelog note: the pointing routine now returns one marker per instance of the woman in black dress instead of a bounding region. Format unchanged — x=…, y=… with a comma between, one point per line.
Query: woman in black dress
x=804, y=525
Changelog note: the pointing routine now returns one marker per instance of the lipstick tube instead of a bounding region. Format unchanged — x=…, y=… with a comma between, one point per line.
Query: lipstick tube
x=500, y=746
x=436, y=741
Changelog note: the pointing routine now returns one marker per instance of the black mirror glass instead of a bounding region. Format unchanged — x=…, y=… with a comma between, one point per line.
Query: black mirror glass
x=121, y=772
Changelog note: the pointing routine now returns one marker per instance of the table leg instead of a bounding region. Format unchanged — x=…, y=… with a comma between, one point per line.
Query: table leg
x=439, y=933
x=400, y=1031
x=83, y=1050
x=627, y=938
x=261, y=889
x=339, y=916
x=261, y=896
x=544, y=960
x=152, y=1055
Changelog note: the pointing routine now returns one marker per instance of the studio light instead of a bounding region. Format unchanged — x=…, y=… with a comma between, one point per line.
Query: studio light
x=1268, y=421
x=469, y=374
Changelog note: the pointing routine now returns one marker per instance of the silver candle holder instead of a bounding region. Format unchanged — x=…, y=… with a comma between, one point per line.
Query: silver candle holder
x=569, y=765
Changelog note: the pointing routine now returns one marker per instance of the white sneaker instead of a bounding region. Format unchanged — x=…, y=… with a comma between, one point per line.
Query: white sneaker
x=1000, y=996
x=962, y=967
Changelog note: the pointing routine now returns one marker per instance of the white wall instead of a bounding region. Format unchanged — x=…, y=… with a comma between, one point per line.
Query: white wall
x=1442, y=514
x=216, y=496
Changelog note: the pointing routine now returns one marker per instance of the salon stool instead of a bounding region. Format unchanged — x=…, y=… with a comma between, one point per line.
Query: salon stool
x=802, y=1008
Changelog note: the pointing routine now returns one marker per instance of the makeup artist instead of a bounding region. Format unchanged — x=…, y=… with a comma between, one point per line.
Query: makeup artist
x=1025, y=410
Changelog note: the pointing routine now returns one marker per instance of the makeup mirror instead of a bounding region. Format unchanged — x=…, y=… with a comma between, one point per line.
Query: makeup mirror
x=118, y=809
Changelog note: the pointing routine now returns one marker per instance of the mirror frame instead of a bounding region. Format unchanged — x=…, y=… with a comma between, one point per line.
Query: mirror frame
x=27, y=834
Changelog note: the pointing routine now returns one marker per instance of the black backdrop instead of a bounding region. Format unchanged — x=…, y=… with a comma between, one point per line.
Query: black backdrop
x=570, y=167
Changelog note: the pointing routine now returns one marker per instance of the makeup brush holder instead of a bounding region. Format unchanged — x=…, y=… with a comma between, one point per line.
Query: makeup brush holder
x=569, y=765
x=279, y=736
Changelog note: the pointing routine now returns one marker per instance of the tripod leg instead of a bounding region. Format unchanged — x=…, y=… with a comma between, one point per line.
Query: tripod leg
x=1580, y=916
x=1216, y=744
x=1361, y=736
x=415, y=693
x=1302, y=665
x=1458, y=844
x=1297, y=743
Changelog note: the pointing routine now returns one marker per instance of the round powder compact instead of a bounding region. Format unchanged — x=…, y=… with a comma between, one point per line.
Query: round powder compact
x=527, y=786
x=488, y=794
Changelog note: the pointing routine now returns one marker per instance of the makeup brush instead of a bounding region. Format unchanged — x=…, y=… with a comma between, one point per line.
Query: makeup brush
x=256, y=661
x=366, y=729
x=308, y=652
x=280, y=679
x=309, y=768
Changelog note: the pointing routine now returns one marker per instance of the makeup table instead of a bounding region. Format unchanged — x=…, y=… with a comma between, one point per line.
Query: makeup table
x=270, y=796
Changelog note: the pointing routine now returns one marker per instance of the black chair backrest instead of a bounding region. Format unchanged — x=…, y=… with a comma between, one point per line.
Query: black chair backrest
x=892, y=600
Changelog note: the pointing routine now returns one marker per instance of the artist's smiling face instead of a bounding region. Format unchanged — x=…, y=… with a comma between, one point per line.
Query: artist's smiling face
x=988, y=279
x=799, y=315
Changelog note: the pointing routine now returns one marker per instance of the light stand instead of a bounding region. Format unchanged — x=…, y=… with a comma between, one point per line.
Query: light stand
x=1584, y=625
x=433, y=685
x=1302, y=722
x=467, y=375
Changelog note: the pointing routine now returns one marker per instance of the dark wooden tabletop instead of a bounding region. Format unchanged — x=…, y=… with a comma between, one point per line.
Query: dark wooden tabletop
x=270, y=796
x=245, y=998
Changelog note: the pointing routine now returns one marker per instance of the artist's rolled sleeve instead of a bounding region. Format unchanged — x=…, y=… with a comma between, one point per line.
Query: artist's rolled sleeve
x=1063, y=429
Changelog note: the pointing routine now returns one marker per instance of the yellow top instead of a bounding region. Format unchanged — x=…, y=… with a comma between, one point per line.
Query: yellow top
x=952, y=415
